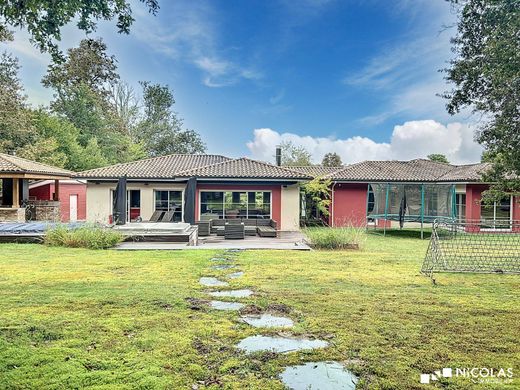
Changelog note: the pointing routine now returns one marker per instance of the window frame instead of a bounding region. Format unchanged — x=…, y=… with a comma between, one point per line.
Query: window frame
x=235, y=190
x=494, y=228
x=155, y=190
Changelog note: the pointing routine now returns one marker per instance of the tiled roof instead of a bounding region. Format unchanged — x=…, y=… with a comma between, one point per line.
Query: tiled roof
x=418, y=170
x=14, y=164
x=244, y=168
x=164, y=167
x=471, y=172
x=315, y=170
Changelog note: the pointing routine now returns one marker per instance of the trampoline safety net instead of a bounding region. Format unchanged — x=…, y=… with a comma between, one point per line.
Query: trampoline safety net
x=413, y=202
x=473, y=247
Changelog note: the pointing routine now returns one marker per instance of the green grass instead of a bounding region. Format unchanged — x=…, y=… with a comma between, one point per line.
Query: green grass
x=87, y=236
x=336, y=238
x=75, y=318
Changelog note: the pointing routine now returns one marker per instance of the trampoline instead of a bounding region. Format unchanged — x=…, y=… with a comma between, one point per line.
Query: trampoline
x=411, y=202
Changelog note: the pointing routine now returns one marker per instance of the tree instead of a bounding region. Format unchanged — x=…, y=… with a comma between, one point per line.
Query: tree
x=161, y=131
x=293, y=155
x=126, y=107
x=15, y=120
x=437, y=157
x=317, y=200
x=88, y=65
x=44, y=19
x=332, y=160
x=486, y=77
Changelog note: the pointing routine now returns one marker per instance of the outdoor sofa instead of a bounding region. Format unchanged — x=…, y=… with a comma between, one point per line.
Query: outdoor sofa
x=252, y=226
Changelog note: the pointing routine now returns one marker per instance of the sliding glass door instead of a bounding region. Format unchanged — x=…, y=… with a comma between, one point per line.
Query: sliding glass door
x=235, y=204
x=169, y=201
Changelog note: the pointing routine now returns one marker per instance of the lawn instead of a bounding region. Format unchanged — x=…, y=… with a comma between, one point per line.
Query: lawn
x=76, y=318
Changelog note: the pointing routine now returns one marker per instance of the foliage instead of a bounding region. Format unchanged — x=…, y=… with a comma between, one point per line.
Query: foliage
x=317, y=196
x=332, y=159
x=88, y=236
x=15, y=120
x=124, y=319
x=486, y=77
x=336, y=238
x=161, y=131
x=45, y=19
x=437, y=157
x=293, y=155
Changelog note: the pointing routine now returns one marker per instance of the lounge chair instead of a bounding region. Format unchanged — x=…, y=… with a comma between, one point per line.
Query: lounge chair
x=168, y=216
x=156, y=216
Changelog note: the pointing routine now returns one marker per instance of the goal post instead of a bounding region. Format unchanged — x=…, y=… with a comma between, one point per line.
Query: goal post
x=477, y=246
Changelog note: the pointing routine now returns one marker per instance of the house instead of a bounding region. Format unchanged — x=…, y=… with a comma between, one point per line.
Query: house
x=353, y=187
x=73, y=197
x=223, y=187
x=196, y=186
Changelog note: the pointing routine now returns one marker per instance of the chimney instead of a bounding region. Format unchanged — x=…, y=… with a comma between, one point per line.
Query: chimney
x=278, y=156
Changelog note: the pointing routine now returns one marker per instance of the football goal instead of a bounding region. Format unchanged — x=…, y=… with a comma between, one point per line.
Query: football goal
x=474, y=247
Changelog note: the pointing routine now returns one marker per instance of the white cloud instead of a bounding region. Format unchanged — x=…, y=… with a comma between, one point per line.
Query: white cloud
x=413, y=139
x=193, y=38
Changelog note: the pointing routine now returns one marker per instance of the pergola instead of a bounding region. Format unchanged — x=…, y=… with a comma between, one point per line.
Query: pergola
x=15, y=173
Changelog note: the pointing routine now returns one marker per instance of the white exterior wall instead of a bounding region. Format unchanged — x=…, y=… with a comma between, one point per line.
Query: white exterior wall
x=290, y=208
x=99, y=198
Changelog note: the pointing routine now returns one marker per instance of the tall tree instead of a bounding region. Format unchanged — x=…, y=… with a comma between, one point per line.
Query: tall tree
x=437, y=157
x=44, y=19
x=293, y=155
x=84, y=83
x=486, y=77
x=332, y=159
x=15, y=120
x=161, y=131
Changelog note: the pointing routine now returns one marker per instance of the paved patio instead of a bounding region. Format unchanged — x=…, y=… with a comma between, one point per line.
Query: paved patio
x=284, y=241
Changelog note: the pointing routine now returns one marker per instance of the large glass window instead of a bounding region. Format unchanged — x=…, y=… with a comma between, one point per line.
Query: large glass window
x=496, y=215
x=235, y=204
x=169, y=201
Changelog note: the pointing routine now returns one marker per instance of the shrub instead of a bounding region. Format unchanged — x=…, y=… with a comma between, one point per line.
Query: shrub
x=87, y=236
x=336, y=238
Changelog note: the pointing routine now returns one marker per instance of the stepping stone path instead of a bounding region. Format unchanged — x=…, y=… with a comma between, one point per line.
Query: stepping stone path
x=222, y=267
x=319, y=375
x=279, y=344
x=212, y=282
x=314, y=375
x=235, y=275
x=232, y=293
x=220, y=305
x=267, y=321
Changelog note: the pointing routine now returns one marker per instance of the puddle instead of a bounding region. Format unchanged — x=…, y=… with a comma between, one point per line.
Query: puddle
x=318, y=375
x=267, y=321
x=219, y=305
x=223, y=266
x=232, y=293
x=219, y=259
x=279, y=344
x=235, y=275
x=211, y=282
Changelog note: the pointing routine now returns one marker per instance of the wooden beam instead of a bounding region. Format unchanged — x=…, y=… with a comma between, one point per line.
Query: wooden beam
x=16, y=194
x=32, y=176
x=56, y=190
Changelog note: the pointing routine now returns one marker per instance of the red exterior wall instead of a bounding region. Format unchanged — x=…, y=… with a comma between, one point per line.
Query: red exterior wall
x=349, y=205
x=45, y=192
x=276, y=196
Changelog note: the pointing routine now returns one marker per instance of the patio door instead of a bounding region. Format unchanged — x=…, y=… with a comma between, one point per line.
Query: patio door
x=133, y=205
x=73, y=208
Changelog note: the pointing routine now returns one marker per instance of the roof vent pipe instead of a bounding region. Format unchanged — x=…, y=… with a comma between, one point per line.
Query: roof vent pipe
x=278, y=156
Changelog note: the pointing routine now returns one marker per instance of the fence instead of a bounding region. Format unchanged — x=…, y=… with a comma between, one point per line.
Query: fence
x=474, y=246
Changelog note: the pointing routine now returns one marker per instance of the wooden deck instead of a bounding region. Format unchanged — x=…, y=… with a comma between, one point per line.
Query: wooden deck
x=284, y=241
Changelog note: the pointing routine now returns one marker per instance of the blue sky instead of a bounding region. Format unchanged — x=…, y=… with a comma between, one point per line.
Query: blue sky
x=356, y=77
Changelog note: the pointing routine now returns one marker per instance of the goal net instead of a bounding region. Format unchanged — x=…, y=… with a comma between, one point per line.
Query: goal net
x=474, y=247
